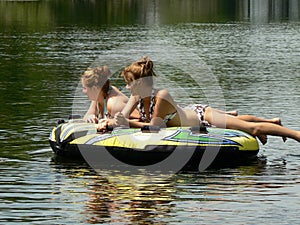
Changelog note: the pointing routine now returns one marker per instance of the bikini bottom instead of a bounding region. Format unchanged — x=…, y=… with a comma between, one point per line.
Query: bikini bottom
x=200, y=110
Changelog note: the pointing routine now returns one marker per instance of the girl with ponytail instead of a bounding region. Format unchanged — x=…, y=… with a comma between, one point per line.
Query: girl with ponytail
x=106, y=100
x=157, y=107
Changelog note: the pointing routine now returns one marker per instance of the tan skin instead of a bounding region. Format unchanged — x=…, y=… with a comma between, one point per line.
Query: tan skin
x=165, y=105
x=116, y=101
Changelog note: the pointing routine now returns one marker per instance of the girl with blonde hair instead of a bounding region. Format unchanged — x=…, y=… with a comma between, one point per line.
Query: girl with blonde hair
x=106, y=100
x=157, y=107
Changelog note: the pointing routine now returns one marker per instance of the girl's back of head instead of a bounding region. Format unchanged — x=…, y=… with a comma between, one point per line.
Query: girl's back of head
x=97, y=76
x=140, y=69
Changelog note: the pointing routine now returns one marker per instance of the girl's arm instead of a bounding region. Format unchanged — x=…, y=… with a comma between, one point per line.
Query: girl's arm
x=130, y=106
x=120, y=120
x=123, y=118
x=91, y=114
x=164, y=105
x=117, y=104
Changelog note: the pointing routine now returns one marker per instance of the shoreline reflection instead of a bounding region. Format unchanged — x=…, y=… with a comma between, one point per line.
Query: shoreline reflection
x=46, y=15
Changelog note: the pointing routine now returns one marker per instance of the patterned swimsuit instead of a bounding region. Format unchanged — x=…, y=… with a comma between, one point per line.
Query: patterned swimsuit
x=198, y=108
x=141, y=108
x=143, y=115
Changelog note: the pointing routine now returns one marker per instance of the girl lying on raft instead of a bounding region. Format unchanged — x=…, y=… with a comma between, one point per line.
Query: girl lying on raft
x=106, y=100
x=158, y=108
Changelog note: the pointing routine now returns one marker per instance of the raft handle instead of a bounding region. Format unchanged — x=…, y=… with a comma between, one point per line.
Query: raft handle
x=60, y=121
x=109, y=128
x=199, y=129
x=150, y=129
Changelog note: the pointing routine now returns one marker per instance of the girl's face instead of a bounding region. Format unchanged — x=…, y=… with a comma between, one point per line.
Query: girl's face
x=131, y=83
x=91, y=92
x=137, y=86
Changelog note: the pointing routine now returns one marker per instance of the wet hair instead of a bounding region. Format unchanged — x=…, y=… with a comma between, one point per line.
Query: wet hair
x=139, y=69
x=98, y=76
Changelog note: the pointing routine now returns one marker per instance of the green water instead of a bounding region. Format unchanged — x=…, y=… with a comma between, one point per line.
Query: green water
x=251, y=54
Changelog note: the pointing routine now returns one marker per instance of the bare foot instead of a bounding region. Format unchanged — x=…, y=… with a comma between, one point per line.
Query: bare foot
x=298, y=137
x=263, y=138
x=278, y=121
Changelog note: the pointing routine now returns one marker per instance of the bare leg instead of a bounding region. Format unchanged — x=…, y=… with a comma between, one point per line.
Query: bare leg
x=232, y=113
x=251, y=118
x=256, y=119
x=260, y=129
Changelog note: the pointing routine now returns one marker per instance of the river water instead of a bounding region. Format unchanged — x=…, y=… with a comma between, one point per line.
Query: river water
x=242, y=55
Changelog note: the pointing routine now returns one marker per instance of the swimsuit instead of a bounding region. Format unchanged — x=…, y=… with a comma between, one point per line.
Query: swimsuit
x=169, y=117
x=200, y=110
x=141, y=108
x=143, y=115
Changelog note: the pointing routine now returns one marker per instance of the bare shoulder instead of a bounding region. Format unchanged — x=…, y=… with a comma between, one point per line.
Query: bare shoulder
x=117, y=95
x=164, y=94
x=117, y=102
x=117, y=92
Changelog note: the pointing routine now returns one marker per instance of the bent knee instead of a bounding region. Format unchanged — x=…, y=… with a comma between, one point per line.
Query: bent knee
x=256, y=129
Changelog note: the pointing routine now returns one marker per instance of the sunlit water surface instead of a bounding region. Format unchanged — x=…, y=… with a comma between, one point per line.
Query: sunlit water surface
x=254, y=68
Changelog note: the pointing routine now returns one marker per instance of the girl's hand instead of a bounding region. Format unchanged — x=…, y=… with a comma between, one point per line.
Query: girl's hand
x=102, y=125
x=91, y=118
x=120, y=120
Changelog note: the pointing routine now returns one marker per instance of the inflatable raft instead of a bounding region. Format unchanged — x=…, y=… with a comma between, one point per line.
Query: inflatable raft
x=153, y=145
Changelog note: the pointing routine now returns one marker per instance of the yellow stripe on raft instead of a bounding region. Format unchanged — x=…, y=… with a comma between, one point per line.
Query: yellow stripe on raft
x=139, y=140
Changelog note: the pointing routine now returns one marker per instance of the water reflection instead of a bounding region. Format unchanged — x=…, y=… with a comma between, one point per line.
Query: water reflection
x=138, y=201
x=145, y=199
x=73, y=193
x=45, y=15
x=117, y=198
x=272, y=10
x=45, y=45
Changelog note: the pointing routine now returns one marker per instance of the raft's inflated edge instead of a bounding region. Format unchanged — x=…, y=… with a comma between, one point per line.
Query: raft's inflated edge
x=226, y=156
